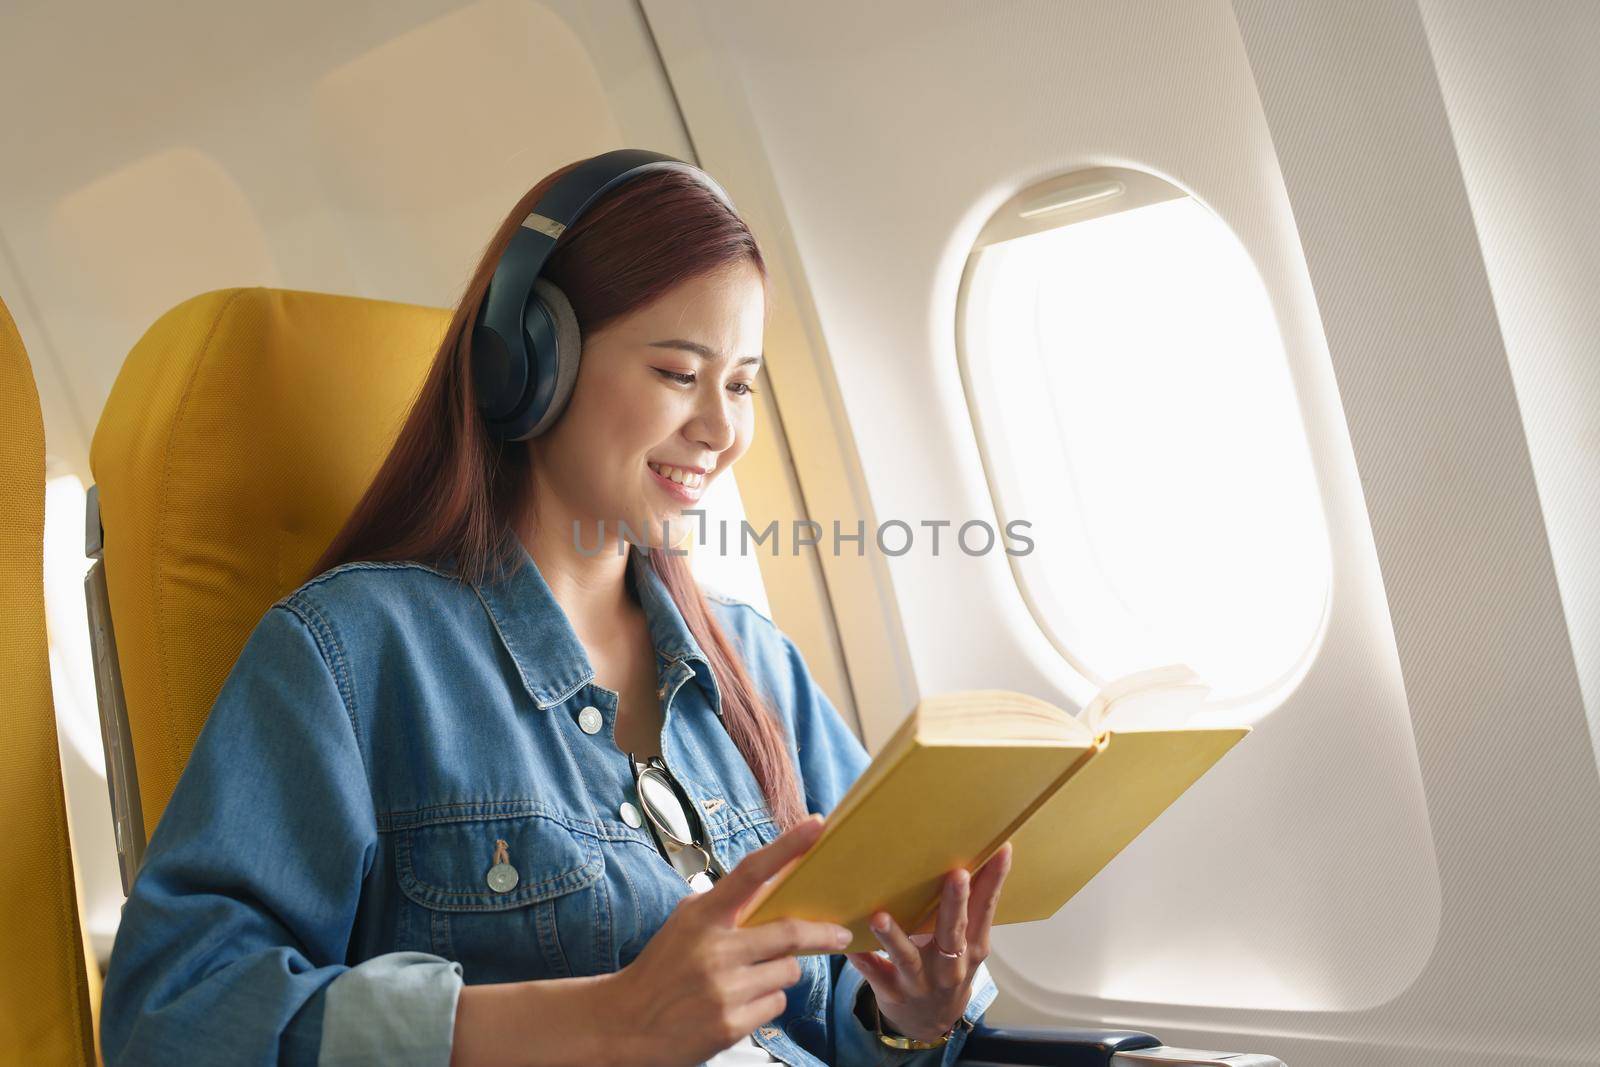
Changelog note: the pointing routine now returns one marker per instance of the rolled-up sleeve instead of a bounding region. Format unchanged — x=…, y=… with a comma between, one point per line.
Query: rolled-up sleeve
x=233, y=941
x=396, y=1008
x=831, y=759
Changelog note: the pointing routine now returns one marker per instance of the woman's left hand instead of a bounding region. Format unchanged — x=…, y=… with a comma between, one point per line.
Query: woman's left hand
x=920, y=992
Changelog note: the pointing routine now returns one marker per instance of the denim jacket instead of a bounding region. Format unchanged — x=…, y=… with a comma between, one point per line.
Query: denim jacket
x=315, y=891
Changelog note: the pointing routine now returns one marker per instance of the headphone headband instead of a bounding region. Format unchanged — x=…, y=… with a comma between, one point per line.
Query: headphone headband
x=525, y=345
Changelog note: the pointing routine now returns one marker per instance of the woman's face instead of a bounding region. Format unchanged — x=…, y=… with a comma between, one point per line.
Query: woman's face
x=661, y=408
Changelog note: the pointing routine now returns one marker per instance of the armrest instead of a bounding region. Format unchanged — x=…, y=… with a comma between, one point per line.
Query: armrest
x=1193, y=1057
x=1039, y=1047
x=989, y=1046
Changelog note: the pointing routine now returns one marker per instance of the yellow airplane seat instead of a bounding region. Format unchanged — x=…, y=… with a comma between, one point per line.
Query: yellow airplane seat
x=241, y=432
x=49, y=986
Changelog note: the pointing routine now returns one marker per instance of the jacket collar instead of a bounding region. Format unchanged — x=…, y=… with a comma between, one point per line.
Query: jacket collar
x=548, y=655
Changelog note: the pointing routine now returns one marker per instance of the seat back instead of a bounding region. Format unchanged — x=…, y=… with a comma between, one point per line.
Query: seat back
x=239, y=435
x=49, y=990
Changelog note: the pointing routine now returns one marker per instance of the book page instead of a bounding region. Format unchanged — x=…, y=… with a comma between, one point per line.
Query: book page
x=1159, y=698
x=995, y=716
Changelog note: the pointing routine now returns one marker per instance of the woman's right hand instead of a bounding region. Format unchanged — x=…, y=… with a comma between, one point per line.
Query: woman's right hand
x=702, y=983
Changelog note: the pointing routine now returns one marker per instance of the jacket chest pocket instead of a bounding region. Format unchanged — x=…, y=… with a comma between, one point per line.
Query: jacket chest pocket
x=541, y=911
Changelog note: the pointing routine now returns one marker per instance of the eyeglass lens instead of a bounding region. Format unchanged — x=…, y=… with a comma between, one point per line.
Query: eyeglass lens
x=664, y=807
x=658, y=796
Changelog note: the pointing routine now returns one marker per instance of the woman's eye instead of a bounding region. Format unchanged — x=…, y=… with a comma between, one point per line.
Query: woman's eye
x=678, y=376
x=742, y=388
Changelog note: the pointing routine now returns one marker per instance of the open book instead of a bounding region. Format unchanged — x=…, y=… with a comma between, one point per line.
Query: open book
x=968, y=771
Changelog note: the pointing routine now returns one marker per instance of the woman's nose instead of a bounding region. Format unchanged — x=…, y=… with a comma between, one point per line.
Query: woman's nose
x=713, y=425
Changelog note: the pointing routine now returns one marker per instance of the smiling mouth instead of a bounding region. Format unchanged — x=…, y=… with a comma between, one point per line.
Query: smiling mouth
x=677, y=475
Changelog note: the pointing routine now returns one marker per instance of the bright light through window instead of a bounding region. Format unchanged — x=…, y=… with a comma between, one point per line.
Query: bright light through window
x=67, y=621
x=1135, y=406
x=732, y=573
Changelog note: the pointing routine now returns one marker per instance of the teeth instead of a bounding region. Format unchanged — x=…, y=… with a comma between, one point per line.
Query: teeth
x=688, y=479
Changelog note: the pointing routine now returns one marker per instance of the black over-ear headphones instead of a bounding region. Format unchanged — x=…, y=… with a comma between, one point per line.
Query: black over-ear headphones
x=525, y=344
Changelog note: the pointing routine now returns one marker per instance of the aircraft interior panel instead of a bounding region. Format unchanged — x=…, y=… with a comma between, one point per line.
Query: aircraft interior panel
x=1256, y=336
x=919, y=183
x=896, y=362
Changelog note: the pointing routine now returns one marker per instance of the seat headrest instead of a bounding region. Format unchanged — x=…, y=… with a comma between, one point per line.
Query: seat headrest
x=241, y=432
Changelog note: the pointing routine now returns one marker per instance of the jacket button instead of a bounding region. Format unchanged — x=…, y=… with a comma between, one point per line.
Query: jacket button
x=630, y=814
x=589, y=720
x=502, y=878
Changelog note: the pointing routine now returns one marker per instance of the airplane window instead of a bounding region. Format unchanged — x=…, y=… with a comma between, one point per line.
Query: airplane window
x=1133, y=403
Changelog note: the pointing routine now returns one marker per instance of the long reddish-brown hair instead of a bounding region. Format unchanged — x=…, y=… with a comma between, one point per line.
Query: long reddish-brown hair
x=448, y=490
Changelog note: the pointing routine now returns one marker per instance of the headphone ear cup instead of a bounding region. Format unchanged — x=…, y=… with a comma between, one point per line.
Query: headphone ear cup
x=569, y=346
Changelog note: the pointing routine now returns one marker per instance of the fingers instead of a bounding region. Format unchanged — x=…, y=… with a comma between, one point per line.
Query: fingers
x=907, y=957
x=952, y=930
x=790, y=937
x=754, y=1015
x=763, y=978
x=877, y=970
x=1001, y=854
x=985, y=898
x=736, y=888
x=760, y=1011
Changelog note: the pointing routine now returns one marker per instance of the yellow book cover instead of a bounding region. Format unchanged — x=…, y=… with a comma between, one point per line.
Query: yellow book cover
x=968, y=771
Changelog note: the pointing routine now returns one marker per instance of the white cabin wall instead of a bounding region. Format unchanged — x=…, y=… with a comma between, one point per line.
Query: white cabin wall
x=1291, y=902
x=1522, y=89
x=161, y=150
x=1404, y=294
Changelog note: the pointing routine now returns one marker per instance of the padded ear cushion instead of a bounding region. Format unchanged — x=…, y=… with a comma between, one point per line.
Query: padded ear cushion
x=569, y=346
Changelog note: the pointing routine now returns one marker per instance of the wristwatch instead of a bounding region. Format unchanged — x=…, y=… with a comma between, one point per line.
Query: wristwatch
x=894, y=1040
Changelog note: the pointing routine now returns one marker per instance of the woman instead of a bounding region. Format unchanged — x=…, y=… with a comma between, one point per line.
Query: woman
x=410, y=830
